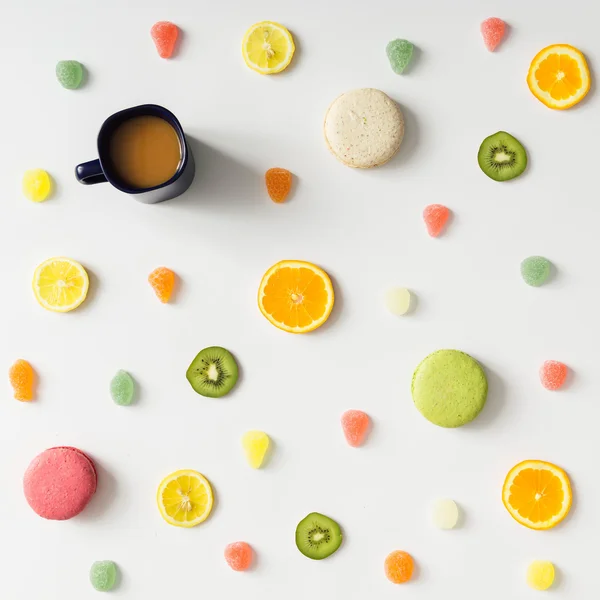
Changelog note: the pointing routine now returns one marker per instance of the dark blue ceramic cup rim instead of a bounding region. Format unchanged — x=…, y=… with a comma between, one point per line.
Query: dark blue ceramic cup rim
x=101, y=169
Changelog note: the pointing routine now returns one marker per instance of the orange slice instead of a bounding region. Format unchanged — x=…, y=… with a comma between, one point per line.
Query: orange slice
x=296, y=296
x=537, y=494
x=559, y=76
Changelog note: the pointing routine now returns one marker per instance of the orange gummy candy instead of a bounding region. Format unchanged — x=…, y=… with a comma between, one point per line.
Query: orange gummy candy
x=164, y=35
x=162, y=281
x=399, y=566
x=238, y=556
x=22, y=379
x=279, y=183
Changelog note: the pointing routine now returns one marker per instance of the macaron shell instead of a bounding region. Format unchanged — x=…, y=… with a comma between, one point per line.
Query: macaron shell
x=364, y=128
x=59, y=483
x=449, y=388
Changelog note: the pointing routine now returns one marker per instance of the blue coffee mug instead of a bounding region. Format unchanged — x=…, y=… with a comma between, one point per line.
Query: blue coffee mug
x=101, y=170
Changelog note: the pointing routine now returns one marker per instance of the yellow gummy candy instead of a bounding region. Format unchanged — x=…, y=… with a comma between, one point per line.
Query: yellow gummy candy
x=36, y=185
x=540, y=574
x=255, y=444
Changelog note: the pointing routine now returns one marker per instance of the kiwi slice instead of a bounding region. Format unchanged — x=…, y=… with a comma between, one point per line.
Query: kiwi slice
x=502, y=157
x=318, y=536
x=213, y=372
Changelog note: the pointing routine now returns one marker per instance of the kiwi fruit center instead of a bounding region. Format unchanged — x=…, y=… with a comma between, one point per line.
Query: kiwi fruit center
x=501, y=157
x=317, y=536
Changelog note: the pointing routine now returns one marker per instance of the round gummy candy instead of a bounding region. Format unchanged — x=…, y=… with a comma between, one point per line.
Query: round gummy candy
x=36, y=185
x=69, y=74
x=553, y=374
x=399, y=566
x=355, y=424
x=445, y=514
x=103, y=575
x=122, y=388
x=435, y=217
x=535, y=270
x=238, y=556
x=540, y=575
x=397, y=301
x=399, y=53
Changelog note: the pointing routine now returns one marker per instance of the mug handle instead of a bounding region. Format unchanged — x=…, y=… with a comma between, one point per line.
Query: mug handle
x=90, y=172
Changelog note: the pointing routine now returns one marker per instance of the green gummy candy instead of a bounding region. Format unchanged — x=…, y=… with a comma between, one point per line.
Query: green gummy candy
x=69, y=74
x=121, y=388
x=103, y=575
x=399, y=52
x=535, y=270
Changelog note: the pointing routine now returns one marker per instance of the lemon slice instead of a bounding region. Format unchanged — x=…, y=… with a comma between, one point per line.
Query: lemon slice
x=268, y=47
x=60, y=284
x=184, y=498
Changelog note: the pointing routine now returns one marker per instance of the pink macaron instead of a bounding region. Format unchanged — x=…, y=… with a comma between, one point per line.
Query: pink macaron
x=59, y=483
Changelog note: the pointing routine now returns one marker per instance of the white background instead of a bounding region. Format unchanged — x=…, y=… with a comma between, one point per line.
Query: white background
x=365, y=229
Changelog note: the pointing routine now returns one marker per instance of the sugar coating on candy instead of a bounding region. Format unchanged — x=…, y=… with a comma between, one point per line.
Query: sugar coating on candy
x=22, y=379
x=399, y=53
x=238, y=556
x=122, y=388
x=69, y=74
x=355, y=424
x=37, y=185
x=492, y=30
x=399, y=566
x=164, y=34
x=162, y=281
x=279, y=184
x=435, y=217
x=553, y=374
x=255, y=445
x=103, y=575
x=535, y=270
x=445, y=513
x=397, y=301
x=540, y=575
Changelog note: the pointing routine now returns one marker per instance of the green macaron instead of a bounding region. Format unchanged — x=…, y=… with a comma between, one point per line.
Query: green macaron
x=449, y=388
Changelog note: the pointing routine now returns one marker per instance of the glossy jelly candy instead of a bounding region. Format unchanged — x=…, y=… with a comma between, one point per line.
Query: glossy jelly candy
x=492, y=30
x=535, y=270
x=37, y=185
x=279, y=184
x=355, y=424
x=399, y=53
x=238, y=556
x=399, y=566
x=553, y=374
x=122, y=388
x=435, y=217
x=540, y=575
x=103, y=575
x=22, y=379
x=255, y=445
x=445, y=514
x=165, y=36
x=398, y=301
x=69, y=74
x=162, y=281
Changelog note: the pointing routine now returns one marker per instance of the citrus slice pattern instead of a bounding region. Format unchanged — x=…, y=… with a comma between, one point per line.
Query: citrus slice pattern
x=60, y=284
x=296, y=296
x=268, y=47
x=559, y=76
x=184, y=498
x=537, y=494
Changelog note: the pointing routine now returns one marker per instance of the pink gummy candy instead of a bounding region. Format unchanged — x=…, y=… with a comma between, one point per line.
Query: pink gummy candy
x=355, y=424
x=164, y=35
x=238, y=556
x=435, y=217
x=492, y=30
x=553, y=374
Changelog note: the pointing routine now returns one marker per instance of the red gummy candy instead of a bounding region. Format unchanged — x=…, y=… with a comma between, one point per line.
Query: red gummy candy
x=238, y=556
x=553, y=374
x=164, y=35
x=355, y=424
x=492, y=30
x=435, y=217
